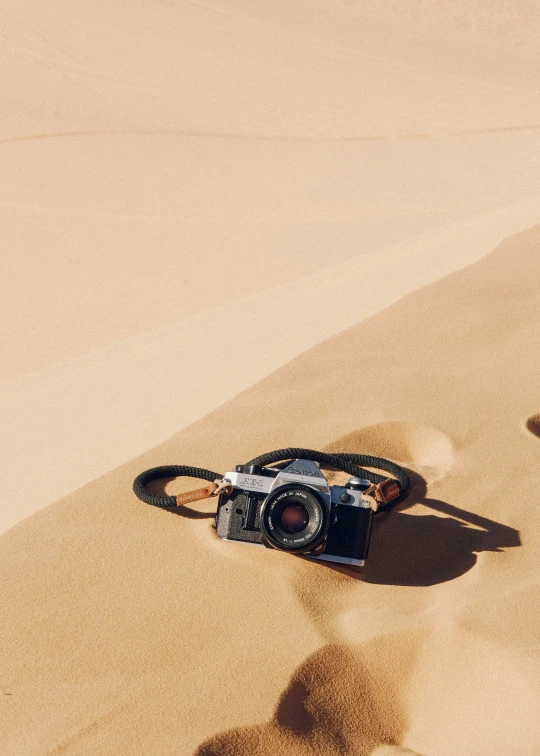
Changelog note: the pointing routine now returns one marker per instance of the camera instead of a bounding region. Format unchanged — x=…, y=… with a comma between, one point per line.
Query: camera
x=293, y=508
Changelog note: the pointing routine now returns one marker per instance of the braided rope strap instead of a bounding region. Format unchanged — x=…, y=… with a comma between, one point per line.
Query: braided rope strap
x=383, y=493
x=174, y=471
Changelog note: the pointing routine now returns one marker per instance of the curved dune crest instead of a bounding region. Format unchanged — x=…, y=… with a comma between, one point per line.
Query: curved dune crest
x=248, y=226
x=184, y=181
x=127, y=629
x=145, y=388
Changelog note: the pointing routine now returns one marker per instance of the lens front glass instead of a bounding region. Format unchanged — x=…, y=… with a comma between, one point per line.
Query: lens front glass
x=293, y=518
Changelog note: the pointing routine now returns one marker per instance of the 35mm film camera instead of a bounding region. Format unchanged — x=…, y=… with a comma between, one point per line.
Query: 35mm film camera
x=294, y=509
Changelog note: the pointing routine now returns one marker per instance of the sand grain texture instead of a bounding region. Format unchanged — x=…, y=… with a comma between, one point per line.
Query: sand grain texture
x=133, y=630
x=245, y=226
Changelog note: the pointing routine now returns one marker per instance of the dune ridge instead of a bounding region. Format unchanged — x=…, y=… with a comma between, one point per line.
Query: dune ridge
x=199, y=357
x=242, y=226
x=164, y=163
x=154, y=646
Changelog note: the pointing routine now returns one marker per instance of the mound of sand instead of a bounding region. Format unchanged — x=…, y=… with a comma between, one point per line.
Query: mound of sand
x=128, y=629
x=183, y=181
x=198, y=200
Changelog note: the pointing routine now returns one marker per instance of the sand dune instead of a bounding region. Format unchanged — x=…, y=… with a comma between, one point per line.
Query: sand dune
x=96, y=411
x=108, y=236
x=492, y=41
x=186, y=178
x=179, y=642
x=241, y=226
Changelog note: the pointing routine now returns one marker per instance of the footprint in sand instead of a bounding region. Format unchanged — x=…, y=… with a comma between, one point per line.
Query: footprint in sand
x=533, y=425
x=337, y=703
x=436, y=543
x=343, y=698
x=427, y=450
x=334, y=700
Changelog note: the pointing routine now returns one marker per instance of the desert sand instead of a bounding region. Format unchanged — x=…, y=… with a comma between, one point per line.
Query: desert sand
x=234, y=228
x=131, y=630
x=183, y=181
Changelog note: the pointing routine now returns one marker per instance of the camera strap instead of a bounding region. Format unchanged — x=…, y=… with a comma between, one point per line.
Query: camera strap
x=383, y=492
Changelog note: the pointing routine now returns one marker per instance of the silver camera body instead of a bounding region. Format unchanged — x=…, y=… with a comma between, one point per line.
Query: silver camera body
x=294, y=509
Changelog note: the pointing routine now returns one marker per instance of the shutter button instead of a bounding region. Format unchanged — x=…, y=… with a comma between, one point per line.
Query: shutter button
x=358, y=484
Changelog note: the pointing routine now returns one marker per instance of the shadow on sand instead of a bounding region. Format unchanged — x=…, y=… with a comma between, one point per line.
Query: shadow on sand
x=414, y=549
x=333, y=705
x=336, y=702
x=426, y=549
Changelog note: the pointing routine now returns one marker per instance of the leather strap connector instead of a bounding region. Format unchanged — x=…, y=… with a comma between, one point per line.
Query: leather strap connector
x=382, y=493
x=199, y=493
x=387, y=491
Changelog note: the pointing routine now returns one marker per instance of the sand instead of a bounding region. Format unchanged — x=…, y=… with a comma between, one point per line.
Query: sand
x=237, y=228
x=168, y=169
x=132, y=630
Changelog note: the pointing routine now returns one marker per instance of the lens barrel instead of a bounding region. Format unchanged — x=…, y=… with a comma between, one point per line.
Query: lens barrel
x=295, y=518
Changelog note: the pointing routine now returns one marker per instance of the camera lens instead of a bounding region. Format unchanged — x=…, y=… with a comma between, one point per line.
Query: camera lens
x=294, y=517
